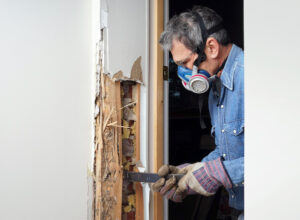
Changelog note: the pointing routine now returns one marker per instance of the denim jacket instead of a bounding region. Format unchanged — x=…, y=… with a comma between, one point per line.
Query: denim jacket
x=227, y=119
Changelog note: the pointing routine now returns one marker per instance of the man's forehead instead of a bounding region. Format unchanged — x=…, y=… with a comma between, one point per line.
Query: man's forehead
x=179, y=51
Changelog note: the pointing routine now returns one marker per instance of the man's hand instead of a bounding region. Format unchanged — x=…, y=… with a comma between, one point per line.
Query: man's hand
x=204, y=178
x=168, y=187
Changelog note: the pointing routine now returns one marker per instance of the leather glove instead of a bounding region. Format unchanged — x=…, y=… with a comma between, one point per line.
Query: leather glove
x=204, y=178
x=168, y=187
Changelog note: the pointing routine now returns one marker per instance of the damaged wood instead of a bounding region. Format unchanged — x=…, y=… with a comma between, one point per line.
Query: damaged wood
x=138, y=186
x=108, y=152
x=128, y=141
x=117, y=149
x=117, y=145
x=132, y=192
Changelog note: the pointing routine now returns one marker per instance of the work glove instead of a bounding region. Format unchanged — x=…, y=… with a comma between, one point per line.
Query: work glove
x=204, y=178
x=168, y=187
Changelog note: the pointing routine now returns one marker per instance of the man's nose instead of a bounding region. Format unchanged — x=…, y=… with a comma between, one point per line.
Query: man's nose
x=188, y=65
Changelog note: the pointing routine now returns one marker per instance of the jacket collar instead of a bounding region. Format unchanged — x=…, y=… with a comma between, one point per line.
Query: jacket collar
x=230, y=66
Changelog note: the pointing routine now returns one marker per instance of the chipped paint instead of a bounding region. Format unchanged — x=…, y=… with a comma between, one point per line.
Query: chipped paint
x=136, y=73
x=136, y=70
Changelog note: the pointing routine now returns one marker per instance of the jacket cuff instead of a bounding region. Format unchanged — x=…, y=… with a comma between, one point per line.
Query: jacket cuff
x=209, y=184
x=216, y=170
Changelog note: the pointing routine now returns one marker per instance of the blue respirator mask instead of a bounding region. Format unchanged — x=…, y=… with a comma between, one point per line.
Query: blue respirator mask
x=198, y=80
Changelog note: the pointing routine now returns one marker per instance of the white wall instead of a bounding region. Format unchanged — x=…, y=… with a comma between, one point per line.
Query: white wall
x=46, y=109
x=272, y=109
x=127, y=30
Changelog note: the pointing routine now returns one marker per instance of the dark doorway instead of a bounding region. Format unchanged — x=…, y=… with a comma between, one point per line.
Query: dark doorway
x=188, y=142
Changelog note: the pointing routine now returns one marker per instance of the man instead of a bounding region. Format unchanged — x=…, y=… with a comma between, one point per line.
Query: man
x=201, y=48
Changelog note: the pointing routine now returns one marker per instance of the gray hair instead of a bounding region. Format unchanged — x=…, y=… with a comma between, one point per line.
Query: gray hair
x=185, y=28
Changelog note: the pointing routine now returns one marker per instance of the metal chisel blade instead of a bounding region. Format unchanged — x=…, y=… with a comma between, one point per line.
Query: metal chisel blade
x=146, y=177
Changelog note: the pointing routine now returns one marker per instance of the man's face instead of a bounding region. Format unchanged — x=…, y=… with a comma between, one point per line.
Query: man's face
x=183, y=56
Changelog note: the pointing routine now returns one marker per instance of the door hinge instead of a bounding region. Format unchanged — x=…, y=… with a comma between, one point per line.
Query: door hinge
x=166, y=73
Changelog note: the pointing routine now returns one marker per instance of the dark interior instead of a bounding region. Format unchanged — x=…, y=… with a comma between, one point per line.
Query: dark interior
x=188, y=142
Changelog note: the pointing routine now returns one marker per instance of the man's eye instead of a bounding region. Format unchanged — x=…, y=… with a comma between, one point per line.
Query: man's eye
x=183, y=63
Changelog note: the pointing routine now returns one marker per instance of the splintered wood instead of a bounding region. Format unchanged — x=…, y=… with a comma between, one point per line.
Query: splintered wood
x=117, y=149
x=130, y=142
x=108, y=152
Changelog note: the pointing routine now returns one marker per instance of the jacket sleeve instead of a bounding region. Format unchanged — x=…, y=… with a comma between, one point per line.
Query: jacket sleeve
x=212, y=155
x=235, y=170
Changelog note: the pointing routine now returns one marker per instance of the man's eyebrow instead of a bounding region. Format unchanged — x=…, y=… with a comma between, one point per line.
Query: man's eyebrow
x=181, y=61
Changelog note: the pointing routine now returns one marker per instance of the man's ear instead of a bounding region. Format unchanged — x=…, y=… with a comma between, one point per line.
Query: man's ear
x=212, y=48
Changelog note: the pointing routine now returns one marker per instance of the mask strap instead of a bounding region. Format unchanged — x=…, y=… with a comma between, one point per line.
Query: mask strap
x=205, y=34
x=216, y=82
x=201, y=56
x=200, y=102
x=221, y=67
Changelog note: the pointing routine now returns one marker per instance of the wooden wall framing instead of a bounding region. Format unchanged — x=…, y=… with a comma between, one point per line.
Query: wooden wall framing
x=117, y=143
x=132, y=193
x=138, y=186
x=109, y=179
x=108, y=152
x=158, y=102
